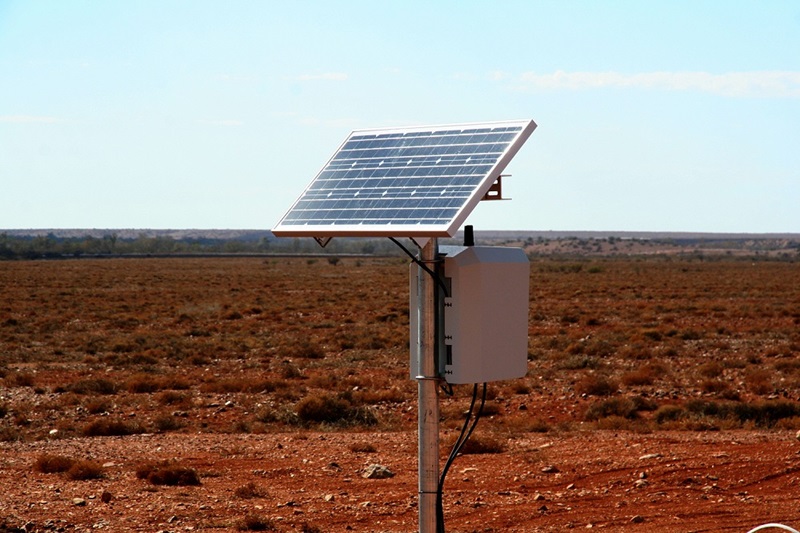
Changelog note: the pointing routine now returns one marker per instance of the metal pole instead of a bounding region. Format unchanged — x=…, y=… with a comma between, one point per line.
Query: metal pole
x=427, y=391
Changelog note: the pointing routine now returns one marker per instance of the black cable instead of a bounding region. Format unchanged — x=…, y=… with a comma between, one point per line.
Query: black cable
x=436, y=277
x=457, y=447
x=446, y=387
x=466, y=430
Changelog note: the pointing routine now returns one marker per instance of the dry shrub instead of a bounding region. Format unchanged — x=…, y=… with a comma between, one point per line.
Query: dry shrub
x=105, y=427
x=538, y=425
x=266, y=415
x=619, y=407
x=787, y=366
x=96, y=406
x=20, y=379
x=9, y=434
x=596, y=385
x=253, y=522
x=520, y=387
x=330, y=409
x=579, y=362
x=174, y=382
x=167, y=473
x=85, y=469
x=760, y=414
x=165, y=422
x=490, y=409
x=639, y=377
x=371, y=397
x=175, y=399
x=653, y=335
x=669, y=413
x=240, y=384
x=362, y=447
x=758, y=380
x=305, y=527
x=792, y=423
x=143, y=384
x=691, y=335
x=323, y=408
x=52, y=463
x=711, y=369
x=636, y=351
x=618, y=423
x=93, y=386
x=306, y=350
x=249, y=491
x=479, y=444
x=290, y=371
x=714, y=386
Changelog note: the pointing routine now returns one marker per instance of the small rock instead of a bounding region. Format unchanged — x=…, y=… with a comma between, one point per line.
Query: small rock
x=376, y=471
x=538, y=497
x=797, y=435
x=638, y=519
x=329, y=497
x=550, y=469
x=105, y=497
x=650, y=456
x=640, y=483
x=80, y=502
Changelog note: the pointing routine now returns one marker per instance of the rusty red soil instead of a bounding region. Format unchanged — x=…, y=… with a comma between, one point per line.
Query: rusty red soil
x=617, y=481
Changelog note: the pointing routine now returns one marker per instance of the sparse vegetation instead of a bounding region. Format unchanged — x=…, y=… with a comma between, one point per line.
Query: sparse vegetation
x=53, y=464
x=254, y=522
x=75, y=469
x=249, y=491
x=168, y=473
x=214, y=352
x=84, y=469
x=290, y=351
x=109, y=427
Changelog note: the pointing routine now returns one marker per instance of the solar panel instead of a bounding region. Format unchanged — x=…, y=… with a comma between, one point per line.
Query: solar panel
x=405, y=182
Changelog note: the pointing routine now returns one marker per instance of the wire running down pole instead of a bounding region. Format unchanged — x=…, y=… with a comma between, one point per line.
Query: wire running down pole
x=427, y=390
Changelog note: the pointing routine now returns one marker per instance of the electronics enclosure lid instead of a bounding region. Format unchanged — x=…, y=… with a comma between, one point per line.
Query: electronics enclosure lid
x=484, y=335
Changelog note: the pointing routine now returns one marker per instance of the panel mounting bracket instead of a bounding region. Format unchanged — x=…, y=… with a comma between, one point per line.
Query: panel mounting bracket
x=323, y=241
x=495, y=192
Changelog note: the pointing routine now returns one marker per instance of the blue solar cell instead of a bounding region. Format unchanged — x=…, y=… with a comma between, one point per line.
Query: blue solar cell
x=405, y=182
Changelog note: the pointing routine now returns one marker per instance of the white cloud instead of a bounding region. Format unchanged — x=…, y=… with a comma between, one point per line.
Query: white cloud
x=223, y=122
x=325, y=76
x=338, y=123
x=741, y=84
x=27, y=119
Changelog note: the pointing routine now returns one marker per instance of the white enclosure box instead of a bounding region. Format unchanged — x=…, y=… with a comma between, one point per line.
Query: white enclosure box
x=485, y=330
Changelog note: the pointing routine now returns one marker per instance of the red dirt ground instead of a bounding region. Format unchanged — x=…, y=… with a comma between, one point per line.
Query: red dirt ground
x=210, y=358
x=666, y=482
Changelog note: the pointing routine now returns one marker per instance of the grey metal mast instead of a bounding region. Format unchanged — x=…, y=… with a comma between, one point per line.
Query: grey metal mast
x=427, y=390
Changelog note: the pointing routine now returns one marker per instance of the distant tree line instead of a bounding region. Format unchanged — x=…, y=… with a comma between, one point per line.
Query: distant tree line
x=51, y=246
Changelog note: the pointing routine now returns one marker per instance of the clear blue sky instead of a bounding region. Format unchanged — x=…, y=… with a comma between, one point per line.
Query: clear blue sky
x=653, y=116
